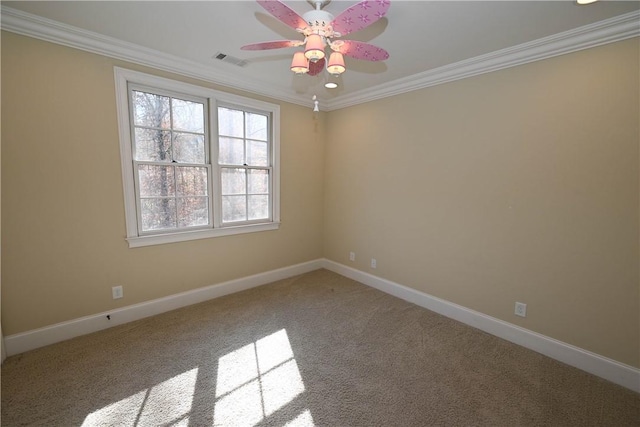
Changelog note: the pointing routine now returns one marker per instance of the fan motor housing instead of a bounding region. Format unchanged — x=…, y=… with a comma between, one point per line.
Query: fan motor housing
x=318, y=18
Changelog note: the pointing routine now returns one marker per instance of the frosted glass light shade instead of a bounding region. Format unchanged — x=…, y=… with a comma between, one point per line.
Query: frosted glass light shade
x=299, y=64
x=315, y=48
x=336, y=64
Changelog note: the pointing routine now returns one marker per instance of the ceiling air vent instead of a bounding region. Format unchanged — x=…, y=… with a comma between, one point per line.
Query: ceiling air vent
x=230, y=59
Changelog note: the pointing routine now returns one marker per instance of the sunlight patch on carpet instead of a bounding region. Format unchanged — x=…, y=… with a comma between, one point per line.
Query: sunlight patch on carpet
x=257, y=380
x=303, y=420
x=125, y=411
x=166, y=403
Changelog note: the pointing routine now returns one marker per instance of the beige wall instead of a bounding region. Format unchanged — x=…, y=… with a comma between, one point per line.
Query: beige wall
x=518, y=185
x=63, y=225
x=3, y=353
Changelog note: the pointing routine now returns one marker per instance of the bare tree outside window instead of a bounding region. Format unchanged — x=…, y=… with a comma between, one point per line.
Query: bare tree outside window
x=170, y=156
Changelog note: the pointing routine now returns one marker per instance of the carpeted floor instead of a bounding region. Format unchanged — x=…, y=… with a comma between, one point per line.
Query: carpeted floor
x=313, y=350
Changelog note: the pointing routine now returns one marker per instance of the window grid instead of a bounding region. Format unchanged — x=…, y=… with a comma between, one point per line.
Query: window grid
x=252, y=209
x=209, y=178
x=172, y=204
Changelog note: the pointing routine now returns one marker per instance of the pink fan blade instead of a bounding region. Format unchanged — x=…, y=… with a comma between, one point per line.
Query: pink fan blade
x=361, y=50
x=284, y=13
x=360, y=16
x=271, y=45
x=316, y=67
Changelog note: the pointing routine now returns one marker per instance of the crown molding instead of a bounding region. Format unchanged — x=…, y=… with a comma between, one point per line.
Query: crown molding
x=603, y=32
x=52, y=31
x=599, y=33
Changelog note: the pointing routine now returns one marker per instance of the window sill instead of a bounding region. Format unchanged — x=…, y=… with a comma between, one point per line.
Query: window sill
x=184, y=236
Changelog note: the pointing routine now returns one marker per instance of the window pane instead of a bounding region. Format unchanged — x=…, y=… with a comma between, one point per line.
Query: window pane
x=256, y=126
x=188, y=148
x=257, y=153
x=158, y=213
x=156, y=180
x=188, y=115
x=231, y=151
x=258, y=207
x=233, y=181
x=150, y=110
x=258, y=181
x=152, y=145
x=230, y=122
x=191, y=181
x=193, y=211
x=234, y=208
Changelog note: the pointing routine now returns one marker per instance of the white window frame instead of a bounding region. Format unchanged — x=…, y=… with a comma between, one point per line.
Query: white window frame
x=218, y=208
x=136, y=238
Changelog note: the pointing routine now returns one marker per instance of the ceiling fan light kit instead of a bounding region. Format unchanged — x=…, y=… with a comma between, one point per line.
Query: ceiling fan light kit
x=300, y=63
x=321, y=30
x=314, y=50
x=336, y=65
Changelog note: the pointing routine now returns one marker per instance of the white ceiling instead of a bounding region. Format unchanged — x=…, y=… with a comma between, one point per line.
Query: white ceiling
x=420, y=36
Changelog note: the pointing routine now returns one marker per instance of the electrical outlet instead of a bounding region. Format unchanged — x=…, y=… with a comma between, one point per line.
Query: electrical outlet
x=521, y=309
x=374, y=263
x=116, y=292
x=352, y=256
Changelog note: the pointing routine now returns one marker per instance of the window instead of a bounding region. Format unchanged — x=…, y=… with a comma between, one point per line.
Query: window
x=196, y=163
x=244, y=165
x=170, y=161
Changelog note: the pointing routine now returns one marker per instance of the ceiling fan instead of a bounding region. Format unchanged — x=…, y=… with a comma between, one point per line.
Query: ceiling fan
x=320, y=30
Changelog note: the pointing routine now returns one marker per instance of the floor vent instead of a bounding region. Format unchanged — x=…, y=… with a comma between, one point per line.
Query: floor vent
x=230, y=59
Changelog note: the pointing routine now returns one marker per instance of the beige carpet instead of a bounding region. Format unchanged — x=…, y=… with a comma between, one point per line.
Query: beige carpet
x=314, y=350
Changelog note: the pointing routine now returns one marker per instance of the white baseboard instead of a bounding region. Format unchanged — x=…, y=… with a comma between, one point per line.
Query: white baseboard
x=616, y=372
x=19, y=343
